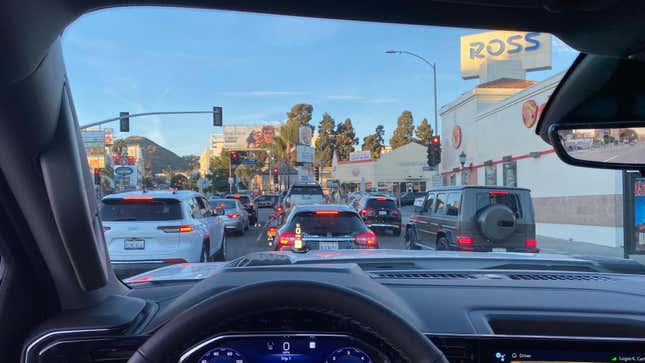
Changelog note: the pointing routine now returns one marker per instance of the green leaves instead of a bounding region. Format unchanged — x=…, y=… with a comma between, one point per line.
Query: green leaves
x=374, y=142
x=403, y=133
x=423, y=132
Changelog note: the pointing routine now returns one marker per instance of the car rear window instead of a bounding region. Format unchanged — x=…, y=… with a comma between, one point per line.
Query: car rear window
x=227, y=204
x=306, y=189
x=242, y=198
x=380, y=203
x=511, y=200
x=141, y=210
x=343, y=223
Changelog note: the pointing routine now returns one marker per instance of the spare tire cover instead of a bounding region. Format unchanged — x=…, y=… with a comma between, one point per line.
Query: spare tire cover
x=497, y=222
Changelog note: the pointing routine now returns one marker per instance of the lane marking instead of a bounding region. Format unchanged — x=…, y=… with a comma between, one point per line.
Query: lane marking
x=611, y=158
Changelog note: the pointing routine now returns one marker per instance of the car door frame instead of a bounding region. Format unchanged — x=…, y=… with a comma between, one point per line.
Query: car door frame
x=443, y=223
x=214, y=225
x=425, y=236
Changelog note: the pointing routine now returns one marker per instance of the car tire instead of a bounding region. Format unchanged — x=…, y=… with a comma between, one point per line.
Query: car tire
x=221, y=254
x=410, y=241
x=203, y=257
x=396, y=232
x=443, y=244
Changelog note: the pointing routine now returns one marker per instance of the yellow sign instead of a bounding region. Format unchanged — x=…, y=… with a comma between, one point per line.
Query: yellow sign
x=532, y=49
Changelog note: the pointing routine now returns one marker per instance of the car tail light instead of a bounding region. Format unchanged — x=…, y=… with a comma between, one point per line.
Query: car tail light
x=174, y=260
x=367, y=212
x=498, y=192
x=137, y=198
x=462, y=240
x=530, y=243
x=381, y=199
x=233, y=215
x=176, y=229
x=366, y=239
x=396, y=212
x=327, y=213
x=272, y=230
x=236, y=197
x=286, y=239
x=280, y=208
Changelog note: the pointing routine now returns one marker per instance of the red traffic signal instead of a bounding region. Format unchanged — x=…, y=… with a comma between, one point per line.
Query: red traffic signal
x=276, y=171
x=234, y=155
x=97, y=176
x=436, y=140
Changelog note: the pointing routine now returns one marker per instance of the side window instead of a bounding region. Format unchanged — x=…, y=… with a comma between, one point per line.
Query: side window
x=428, y=204
x=453, y=203
x=202, y=204
x=440, y=205
x=194, y=208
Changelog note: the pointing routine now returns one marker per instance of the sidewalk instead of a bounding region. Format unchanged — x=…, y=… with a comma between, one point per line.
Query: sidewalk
x=566, y=247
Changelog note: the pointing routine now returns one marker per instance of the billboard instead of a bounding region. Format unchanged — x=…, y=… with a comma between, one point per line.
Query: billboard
x=240, y=137
x=532, y=49
x=360, y=155
x=304, y=154
x=93, y=138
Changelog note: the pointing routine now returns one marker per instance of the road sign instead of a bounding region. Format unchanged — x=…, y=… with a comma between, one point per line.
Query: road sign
x=248, y=162
x=217, y=116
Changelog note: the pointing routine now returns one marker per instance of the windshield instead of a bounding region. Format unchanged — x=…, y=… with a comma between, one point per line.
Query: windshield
x=338, y=224
x=222, y=203
x=345, y=110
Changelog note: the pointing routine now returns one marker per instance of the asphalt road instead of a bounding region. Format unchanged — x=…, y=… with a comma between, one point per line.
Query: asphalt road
x=252, y=241
x=622, y=153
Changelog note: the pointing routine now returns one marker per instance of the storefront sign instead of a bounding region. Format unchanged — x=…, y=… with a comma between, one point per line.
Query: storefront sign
x=456, y=136
x=93, y=138
x=359, y=155
x=529, y=113
x=532, y=49
x=248, y=137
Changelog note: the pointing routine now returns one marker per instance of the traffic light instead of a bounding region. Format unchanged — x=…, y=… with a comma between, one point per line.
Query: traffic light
x=217, y=116
x=276, y=174
x=317, y=173
x=235, y=158
x=124, y=121
x=97, y=176
x=434, y=151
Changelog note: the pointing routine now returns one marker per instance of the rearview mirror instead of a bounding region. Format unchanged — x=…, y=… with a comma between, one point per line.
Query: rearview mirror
x=609, y=146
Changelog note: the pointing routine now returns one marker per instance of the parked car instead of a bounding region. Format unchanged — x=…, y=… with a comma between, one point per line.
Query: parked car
x=304, y=193
x=266, y=201
x=247, y=203
x=408, y=198
x=380, y=213
x=324, y=227
x=234, y=216
x=474, y=218
x=145, y=230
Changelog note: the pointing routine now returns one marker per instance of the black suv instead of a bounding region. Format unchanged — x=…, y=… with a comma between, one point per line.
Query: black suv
x=246, y=202
x=408, y=198
x=379, y=213
x=474, y=218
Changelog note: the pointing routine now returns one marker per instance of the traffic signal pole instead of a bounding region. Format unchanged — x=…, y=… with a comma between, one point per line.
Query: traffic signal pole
x=147, y=114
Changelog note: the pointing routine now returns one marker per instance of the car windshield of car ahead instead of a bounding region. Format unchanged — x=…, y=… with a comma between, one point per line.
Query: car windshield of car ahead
x=426, y=135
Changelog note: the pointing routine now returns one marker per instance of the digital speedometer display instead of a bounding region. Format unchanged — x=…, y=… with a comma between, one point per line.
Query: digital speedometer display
x=299, y=348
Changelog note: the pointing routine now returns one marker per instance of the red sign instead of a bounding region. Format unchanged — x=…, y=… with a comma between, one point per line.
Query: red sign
x=131, y=160
x=456, y=136
x=639, y=188
x=529, y=113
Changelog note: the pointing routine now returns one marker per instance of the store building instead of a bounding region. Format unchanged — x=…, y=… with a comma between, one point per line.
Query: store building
x=488, y=138
x=402, y=169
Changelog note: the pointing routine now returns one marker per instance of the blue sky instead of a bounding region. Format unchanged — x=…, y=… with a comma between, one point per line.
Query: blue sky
x=256, y=67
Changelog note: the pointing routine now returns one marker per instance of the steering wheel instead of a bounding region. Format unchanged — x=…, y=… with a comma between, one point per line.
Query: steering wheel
x=190, y=326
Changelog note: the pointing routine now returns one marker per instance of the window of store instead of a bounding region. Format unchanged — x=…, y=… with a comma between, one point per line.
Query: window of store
x=453, y=179
x=510, y=173
x=491, y=174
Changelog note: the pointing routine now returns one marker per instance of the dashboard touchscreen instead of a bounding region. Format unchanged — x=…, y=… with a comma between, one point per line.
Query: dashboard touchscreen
x=606, y=354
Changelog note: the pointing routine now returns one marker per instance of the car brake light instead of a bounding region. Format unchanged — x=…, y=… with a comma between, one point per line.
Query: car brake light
x=233, y=215
x=498, y=192
x=381, y=199
x=236, y=197
x=327, y=213
x=286, y=239
x=366, y=239
x=367, y=212
x=272, y=230
x=174, y=260
x=530, y=243
x=464, y=240
x=136, y=198
x=176, y=229
x=279, y=208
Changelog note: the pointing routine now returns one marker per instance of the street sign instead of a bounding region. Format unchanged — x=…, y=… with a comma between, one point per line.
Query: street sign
x=248, y=162
x=429, y=168
x=217, y=116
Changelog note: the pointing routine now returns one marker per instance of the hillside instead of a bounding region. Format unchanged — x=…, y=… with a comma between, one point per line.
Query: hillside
x=160, y=157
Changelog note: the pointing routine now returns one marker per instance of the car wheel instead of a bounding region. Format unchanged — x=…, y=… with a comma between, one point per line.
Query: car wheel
x=442, y=244
x=221, y=254
x=396, y=232
x=204, y=255
x=410, y=241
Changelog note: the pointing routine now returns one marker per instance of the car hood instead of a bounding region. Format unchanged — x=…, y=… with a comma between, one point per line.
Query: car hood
x=412, y=259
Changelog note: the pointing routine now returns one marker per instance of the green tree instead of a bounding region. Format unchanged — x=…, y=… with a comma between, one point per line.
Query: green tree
x=374, y=142
x=300, y=115
x=325, y=143
x=423, y=132
x=118, y=146
x=403, y=133
x=218, y=172
x=345, y=139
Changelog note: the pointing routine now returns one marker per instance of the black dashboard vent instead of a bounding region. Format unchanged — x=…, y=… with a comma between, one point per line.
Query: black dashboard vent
x=421, y=275
x=560, y=277
x=456, y=350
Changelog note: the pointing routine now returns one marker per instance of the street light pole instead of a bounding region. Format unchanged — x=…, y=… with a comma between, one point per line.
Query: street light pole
x=434, y=76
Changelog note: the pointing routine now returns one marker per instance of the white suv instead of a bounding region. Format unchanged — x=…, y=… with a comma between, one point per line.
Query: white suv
x=146, y=230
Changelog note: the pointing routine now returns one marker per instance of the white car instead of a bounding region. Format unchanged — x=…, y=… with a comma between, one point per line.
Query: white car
x=144, y=230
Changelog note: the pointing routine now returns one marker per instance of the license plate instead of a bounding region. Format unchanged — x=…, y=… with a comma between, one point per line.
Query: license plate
x=328, y=246
x=499, y=249
x=382, y=213
x=134, y=244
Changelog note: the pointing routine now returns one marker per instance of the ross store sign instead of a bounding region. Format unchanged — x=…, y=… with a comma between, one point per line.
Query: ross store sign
x=532, y=49
x=359, y=155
